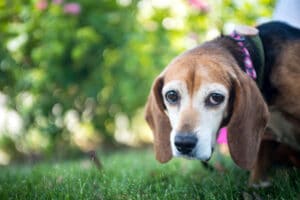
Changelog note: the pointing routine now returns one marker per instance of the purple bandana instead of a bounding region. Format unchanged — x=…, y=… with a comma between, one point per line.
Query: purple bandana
x=249, y=69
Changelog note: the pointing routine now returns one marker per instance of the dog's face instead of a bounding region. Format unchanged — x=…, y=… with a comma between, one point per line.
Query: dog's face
x=195, y=95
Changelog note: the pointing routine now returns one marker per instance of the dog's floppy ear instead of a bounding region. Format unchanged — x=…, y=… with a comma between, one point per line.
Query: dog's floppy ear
x=159, y=122
x=248, y=121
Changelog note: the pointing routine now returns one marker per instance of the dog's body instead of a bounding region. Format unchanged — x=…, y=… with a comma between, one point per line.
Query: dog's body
x=281, y=141
x=206, y=88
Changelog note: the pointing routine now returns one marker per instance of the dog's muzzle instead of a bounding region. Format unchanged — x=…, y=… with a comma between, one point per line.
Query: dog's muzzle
x=185, y=143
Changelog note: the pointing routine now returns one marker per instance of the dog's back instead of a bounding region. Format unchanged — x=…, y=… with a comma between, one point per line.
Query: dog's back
x=281, y=44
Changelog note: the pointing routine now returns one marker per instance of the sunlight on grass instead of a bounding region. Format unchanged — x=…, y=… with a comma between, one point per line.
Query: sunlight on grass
x=135, y=175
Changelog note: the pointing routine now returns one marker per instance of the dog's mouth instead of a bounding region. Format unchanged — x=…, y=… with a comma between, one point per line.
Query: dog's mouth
x=192, y=146
x=194, y=155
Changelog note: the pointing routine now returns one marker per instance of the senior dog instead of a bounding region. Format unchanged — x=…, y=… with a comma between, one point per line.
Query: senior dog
x=248, y=81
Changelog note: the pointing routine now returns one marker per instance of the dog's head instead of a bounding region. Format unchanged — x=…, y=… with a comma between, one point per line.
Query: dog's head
x=199, y=92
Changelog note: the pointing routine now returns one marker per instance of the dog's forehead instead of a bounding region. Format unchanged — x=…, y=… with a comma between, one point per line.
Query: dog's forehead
x=195, y=70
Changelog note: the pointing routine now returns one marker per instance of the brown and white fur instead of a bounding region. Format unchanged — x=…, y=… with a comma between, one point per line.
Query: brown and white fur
x=263, y=122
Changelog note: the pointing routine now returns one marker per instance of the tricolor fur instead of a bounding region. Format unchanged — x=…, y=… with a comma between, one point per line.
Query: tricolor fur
x=252, y=112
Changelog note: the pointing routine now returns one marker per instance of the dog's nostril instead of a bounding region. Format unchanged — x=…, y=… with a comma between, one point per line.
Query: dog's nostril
x=185, y=143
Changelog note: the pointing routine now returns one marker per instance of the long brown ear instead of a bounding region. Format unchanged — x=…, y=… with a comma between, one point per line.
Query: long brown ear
x=159, y=122
x=248, y=121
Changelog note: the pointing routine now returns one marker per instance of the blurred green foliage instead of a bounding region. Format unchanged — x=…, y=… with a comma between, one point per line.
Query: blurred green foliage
x=98, y=61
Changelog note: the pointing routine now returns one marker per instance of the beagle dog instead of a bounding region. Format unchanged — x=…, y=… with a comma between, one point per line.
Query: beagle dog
x=249, y=82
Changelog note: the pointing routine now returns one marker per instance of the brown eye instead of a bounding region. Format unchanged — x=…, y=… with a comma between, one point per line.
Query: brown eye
x=172, y=97
x=214, y=99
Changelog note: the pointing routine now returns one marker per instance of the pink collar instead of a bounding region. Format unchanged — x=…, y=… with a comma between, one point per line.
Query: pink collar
x=249, y=69
x=248, y=64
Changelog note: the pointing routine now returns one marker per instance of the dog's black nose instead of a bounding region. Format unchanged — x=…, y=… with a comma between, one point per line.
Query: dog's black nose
x=185, y=143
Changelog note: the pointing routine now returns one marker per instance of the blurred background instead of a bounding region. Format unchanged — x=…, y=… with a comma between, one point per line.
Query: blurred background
x=75, y=75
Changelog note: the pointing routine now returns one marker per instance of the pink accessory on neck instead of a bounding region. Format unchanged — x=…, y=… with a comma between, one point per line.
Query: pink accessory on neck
x=249, y=68
x=222, y=137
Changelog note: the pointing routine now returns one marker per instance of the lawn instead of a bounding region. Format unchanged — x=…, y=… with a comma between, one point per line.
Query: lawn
x=134, y=174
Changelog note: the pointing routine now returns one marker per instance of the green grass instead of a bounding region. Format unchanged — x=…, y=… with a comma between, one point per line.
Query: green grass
x=135, y=174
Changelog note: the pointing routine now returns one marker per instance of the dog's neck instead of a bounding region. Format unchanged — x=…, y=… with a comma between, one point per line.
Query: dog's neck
x=255, y=49
x=255, y=43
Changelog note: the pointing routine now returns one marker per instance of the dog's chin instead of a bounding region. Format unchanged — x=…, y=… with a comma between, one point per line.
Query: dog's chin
x=195, y=156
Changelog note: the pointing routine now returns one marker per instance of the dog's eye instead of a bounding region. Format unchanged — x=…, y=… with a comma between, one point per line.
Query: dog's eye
x=215, y=99
x=172, y=97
